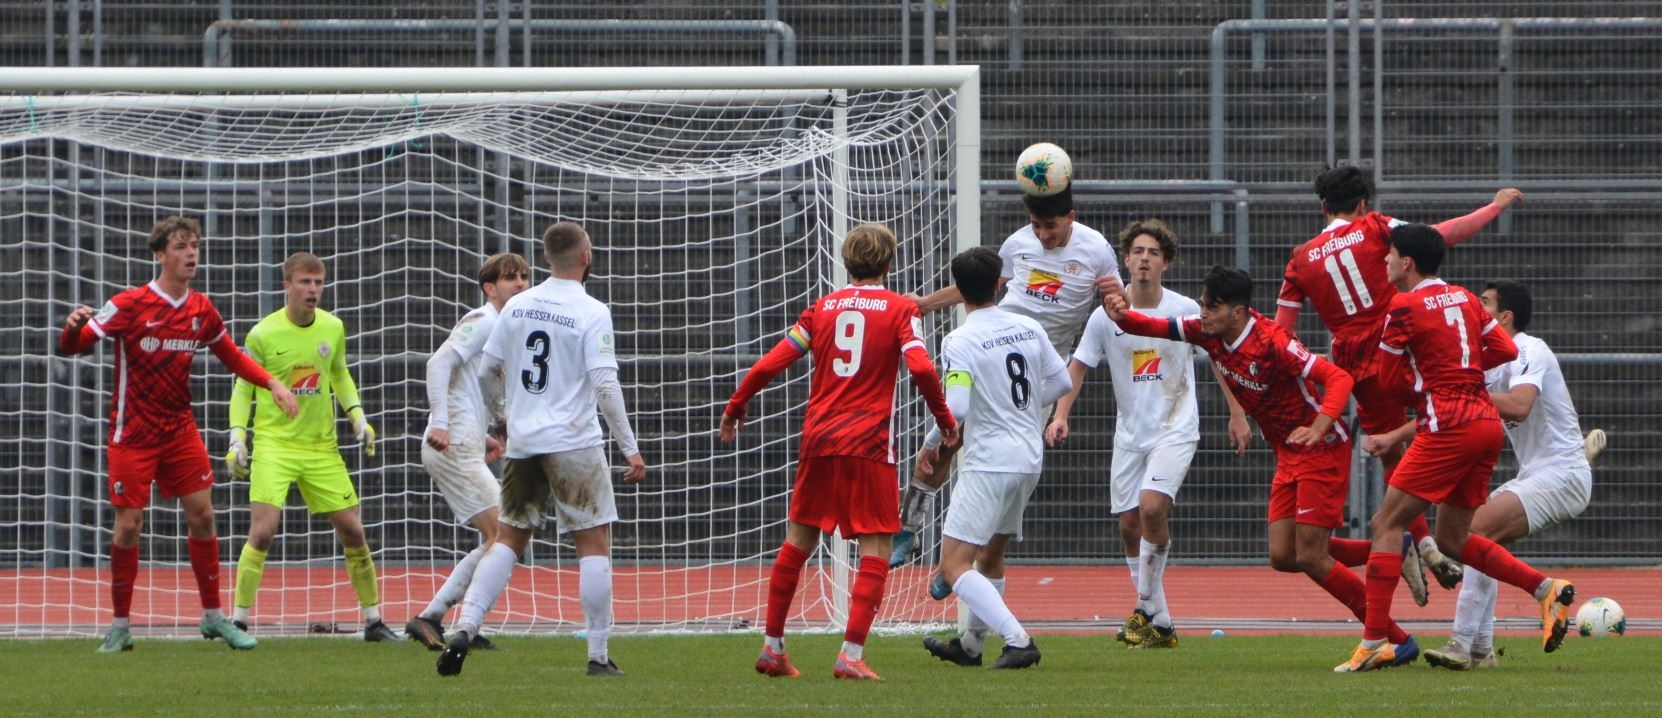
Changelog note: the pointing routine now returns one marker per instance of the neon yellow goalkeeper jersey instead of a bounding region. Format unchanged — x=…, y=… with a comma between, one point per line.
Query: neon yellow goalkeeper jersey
x=311, y=360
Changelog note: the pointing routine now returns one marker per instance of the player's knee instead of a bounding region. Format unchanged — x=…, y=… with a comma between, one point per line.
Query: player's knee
x=1313, y=563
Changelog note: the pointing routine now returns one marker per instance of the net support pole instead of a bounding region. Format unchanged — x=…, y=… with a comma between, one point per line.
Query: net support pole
x=842, y=561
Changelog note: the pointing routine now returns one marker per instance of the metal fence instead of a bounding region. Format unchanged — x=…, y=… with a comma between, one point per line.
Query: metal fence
x=1212, y=115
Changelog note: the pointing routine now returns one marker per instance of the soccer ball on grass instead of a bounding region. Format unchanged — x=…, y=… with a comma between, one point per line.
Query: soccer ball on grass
x=1599, y=617
x=1043, y=170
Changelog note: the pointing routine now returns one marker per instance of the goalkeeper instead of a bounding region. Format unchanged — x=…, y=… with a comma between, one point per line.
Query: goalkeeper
x=304, y=347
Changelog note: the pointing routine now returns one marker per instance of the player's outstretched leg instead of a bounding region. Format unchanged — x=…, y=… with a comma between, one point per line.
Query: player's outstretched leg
x=455, y=652
x=225, y=628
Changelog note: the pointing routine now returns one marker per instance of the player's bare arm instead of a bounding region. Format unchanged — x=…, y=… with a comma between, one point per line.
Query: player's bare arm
x=1240, y=432
x=730, y=426
x=77, y=319
x=1057, y=431
x=1515, y=405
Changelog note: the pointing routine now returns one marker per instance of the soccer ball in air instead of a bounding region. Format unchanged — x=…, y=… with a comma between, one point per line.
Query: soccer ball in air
x=1599, y=617
x=1043, y=170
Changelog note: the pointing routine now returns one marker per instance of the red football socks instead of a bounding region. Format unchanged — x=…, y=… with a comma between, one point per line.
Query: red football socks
x=787, y=570
x=123, y=573
x=866, y=598
x=204, y=562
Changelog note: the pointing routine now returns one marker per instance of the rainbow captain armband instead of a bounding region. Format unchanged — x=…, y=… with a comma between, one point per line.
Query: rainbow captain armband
x=798, y=336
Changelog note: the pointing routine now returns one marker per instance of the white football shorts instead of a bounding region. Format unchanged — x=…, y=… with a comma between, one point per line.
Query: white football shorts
x=1551, y=496
x=577, y=484
x=1134, y=472
x=987, y=503
x=463, y=478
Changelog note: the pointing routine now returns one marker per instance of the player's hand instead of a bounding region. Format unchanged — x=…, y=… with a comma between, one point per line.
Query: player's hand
x=1305, y=436
x=636, y=471
x=77, y=319
x=439, y=439
x=1507, y=197
x=927, y=459
x=916, y=299
x=951, y=436
x=1240, y=433
x=238, y=458
x=285, y=399
x=362, y=431
x=1115, y=305
x=1110, y=284
x=1377, y=445
x=494, y=449
x=730, y=426
x=1057, y=432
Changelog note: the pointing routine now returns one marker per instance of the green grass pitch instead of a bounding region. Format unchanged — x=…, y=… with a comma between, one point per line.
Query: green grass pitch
x=712, y=675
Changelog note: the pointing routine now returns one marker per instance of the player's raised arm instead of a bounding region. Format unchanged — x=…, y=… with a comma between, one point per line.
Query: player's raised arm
x=1459, y=229
x=77, y=337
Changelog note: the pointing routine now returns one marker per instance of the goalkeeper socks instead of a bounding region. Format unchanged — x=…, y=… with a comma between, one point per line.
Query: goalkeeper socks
x=361, y=569
x=1349, y=552
x=787, y=570
x=489, y=578
x=455, y=585
x=1384, y=572
x=123, y=573
x=914, y=509
x=865, y=599
x=594, y=588
x=1496, y=562
x=250, y=569
x=204, y=562
x=984, y=600
x=1348, y=588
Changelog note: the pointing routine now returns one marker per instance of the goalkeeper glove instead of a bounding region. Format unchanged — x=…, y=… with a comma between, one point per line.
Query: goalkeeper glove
x=361, y=430
x=237, y=458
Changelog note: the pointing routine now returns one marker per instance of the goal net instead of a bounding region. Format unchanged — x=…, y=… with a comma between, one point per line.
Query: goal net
x=716, y=199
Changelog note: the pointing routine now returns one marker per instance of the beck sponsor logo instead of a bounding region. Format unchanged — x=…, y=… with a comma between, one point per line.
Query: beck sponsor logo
x=1145, y=366
x=1043, y=285
x=303, y=379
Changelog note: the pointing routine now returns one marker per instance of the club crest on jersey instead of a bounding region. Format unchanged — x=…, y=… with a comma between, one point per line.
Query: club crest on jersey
x=1043, y=286
x=1145, y=365
x=120, y=488
x=195, y=324
x=323, y=349
x=1253, y=368
x=1072, y=267
x=303, y=379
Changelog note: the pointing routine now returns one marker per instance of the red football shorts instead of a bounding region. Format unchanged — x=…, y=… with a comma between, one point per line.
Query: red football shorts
x=1310, y=487
x=178, y=467
x=1453, y=465
x=1377, y=410
x=858, y=496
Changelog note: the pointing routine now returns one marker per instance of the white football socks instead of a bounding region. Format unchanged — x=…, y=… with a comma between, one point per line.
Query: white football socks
x=1151, y=582
x=594, y=587
x=986, y=602
x=489, y=578
x=455, y=585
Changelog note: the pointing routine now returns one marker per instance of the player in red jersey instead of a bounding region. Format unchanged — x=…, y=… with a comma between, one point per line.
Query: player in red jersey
x=846, y=474
x=1437, y=342
x=1275, y=379
x=1342, y=274
x=153, y=434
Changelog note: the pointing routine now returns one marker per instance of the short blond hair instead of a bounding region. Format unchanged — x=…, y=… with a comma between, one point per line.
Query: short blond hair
x=162, y=232
x=302, y=262
x=868, y=251
x=561, y=242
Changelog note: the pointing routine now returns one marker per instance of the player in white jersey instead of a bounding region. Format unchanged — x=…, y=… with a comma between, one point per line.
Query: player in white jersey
x=1052, y=269
x=1000, y=374
x=1156, y=423
x=554, y=345
x=459, y=446
x=1554, y=480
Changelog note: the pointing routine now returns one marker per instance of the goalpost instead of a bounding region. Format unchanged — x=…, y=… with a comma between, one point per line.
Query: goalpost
x=717, y=199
